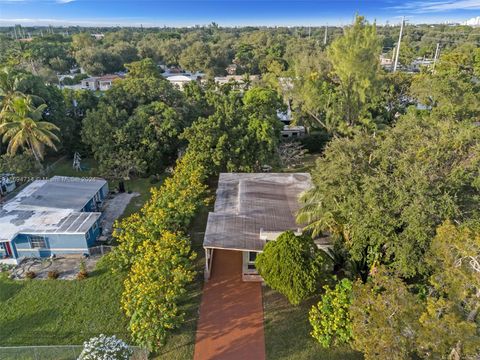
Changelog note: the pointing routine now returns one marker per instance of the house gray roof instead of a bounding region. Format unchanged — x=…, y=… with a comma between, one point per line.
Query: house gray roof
x=248, y=205
x=50, y=206
x=62, y=192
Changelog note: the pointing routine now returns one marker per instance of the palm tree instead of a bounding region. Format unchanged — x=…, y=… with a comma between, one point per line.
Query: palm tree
x=23, y=128
x=9, y=89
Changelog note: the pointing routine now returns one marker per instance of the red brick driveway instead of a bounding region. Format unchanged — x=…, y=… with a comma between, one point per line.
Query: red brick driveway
x=231, y=313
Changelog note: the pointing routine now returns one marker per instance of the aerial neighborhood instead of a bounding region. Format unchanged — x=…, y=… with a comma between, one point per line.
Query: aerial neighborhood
x=223, y=180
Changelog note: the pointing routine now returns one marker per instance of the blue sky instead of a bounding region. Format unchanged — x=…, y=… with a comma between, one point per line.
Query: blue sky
x=230, y=12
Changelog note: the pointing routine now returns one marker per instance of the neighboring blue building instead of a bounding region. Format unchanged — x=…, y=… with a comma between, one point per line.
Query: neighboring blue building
x=57, y=216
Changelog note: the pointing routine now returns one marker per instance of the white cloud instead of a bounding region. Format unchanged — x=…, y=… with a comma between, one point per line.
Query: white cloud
x=439, y=6
x=64, y=1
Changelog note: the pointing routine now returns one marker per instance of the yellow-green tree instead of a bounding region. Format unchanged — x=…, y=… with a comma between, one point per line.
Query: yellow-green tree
x=170, y=208
x=449, y=323
x=356, y=68
x=154, y=286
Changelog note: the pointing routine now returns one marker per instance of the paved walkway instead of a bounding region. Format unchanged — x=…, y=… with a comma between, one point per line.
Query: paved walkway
x=231, y=313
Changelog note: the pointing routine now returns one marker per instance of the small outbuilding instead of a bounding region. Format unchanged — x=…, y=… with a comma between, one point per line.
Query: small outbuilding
x=250, y=210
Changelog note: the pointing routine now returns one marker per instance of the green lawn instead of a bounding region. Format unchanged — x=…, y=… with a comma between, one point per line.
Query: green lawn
x=287, y=332
x=54, y=312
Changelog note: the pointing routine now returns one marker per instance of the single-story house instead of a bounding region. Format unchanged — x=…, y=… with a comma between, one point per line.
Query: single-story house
x=52, y=217
x=290, y=131
x=236, y=79
x=102, y=83
x=250, y=210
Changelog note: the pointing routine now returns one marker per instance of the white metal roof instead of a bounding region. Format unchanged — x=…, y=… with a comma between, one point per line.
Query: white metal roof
x=43, y=207
x=249, y=205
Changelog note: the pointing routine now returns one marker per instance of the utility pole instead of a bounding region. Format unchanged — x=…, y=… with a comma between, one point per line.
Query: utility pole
x=309, y=31
x=325, y=37
x=437, y=53
x=398, y=45
x=15, y=31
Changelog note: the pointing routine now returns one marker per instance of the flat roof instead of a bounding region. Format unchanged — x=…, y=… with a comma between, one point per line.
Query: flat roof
x=248, y=204
x=50, y=207
x=62, y=192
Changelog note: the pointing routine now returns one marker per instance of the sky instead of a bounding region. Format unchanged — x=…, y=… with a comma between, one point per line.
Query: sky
x=230, y=12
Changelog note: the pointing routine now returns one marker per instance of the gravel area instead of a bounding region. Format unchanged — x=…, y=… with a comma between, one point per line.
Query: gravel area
x=114, y=208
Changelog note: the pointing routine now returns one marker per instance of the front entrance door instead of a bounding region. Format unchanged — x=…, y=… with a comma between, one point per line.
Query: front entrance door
x=8, y=249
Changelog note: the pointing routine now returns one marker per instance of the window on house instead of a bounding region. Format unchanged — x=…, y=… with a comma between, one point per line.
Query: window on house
x=94, y=227
x=87, y=236
x=38, y=242
x=252, y=256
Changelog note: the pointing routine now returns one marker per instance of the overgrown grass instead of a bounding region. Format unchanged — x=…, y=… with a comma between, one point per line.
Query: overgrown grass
x=61, y=312
x=287, y=332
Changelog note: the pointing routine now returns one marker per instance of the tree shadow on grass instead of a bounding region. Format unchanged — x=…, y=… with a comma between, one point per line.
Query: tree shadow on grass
x=9, y=288
x=26, y=329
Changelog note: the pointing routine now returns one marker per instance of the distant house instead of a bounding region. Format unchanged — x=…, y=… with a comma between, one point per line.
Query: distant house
x=90, y=83
x=52, y=217
x=101, y=83
x=180, y=78
x=289, y=130
x=238, y=79
x=250, y=210
x=386, y=61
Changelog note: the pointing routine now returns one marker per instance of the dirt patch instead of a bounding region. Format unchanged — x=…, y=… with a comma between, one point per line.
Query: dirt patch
x=114, y=208
x=67, y=267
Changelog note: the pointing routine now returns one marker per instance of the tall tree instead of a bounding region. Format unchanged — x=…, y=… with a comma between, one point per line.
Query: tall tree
x=23, y=128
x=356, y=69
x=384, y=195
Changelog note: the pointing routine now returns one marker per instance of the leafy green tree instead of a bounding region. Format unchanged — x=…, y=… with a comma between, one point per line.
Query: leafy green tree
x=20, y=164
x=242, y=133
x=449, y=324
x=384, y=317
x=134, y=129
x=97, y=61
x=23, y=128
x=452, y=90
x=10, y=88
x=196, y=57
x=384, y=195
x=356, y=66
x=330, y=318
x=293, y=265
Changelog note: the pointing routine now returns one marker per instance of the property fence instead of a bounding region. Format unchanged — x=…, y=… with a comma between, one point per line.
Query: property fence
x=60, y=352
x=100, y=250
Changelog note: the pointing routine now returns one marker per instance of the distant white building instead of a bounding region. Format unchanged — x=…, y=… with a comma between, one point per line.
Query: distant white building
x=102, y=83
x=239, y=79
x=472, y=22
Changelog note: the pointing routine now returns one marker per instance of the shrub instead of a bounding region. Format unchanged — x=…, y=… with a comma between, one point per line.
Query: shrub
x=330, y=318
x=53, y=274
x=30, y=274
x=105, y=348
x=293, y=265
x=82, y=273
x=315, y=142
